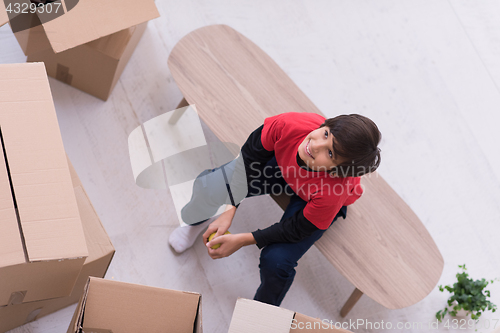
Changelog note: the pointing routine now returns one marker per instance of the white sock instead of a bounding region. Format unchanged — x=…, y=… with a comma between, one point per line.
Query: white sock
x=182, y=238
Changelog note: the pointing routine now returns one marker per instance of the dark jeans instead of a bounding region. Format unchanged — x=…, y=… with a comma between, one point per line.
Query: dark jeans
x=278, y=260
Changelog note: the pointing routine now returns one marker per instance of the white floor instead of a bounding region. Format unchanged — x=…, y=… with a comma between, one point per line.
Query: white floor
x=426, y=71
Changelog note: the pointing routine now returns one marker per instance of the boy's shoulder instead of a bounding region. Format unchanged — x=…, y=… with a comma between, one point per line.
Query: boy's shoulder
x=298, y=117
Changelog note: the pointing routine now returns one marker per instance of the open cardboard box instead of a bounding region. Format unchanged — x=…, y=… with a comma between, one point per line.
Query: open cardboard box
x=42, y=244
x=89, y=45
x=94, y=67
x=251, y=316
x=101, y=252
x=87, y=20
x=110, y=306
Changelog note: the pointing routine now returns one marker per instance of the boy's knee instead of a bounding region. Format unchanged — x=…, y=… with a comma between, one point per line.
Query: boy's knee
x=275, y=259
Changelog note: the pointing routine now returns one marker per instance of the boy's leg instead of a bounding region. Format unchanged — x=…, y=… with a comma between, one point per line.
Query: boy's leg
x=211, y=189
x=277, y=268
x=208, y=194
x=197, y=213
x=278, y=261
x=222, y=185
x=228, y=184
x=214, y=188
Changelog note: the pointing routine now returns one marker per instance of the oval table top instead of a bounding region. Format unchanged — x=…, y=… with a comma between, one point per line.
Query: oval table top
x=382, y=247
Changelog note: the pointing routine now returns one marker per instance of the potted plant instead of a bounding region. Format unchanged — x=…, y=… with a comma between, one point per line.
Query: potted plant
x=468, y=295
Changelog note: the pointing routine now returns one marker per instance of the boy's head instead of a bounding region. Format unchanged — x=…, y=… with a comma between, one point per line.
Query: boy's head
x=355, y=141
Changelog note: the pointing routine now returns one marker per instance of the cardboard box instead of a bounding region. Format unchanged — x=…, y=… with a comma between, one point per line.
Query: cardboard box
x=85, y=21
x=251, y=316
x=42, y=245
x=89, y=45
x=94, y=67
x=3, y=14
x=101, y=252
x=111, y=306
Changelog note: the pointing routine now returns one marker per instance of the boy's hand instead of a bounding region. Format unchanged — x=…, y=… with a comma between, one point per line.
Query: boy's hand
x=220, y=225
x=228, y=245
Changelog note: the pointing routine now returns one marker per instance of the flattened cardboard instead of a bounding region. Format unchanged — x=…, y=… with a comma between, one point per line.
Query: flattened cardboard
x=101, y=252
x=100, y=18
x=48, y=219
x=94, y=67
x=128, y=308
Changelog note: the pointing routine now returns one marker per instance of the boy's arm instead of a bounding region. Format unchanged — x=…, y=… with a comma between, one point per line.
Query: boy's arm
x=247, y=239
x=290, y=230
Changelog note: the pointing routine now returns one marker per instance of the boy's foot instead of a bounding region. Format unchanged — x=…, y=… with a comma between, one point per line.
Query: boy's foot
x=184, y=237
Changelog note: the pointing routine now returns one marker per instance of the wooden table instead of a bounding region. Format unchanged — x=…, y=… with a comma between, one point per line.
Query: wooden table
x=382, y=247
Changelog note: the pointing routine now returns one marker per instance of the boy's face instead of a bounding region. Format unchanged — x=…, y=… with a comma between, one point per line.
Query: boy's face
x=317, y=150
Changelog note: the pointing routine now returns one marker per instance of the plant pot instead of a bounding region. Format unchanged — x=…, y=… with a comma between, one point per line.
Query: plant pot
x=460, y=313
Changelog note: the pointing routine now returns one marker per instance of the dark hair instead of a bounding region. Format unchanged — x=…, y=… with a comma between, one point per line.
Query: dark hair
x=355, y=139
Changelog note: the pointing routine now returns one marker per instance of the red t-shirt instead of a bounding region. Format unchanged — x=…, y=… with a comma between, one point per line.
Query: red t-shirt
x=325, y=194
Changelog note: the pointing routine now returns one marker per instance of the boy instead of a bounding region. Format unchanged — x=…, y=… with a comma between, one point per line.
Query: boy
x=318, y=162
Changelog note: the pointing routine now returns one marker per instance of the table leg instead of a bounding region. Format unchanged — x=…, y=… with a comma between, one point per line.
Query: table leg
x=178, y=113
x=355, y=296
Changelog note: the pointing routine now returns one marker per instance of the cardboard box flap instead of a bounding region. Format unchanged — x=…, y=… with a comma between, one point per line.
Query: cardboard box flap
x=38, y=167
x=93, y=19
x=94, y=232
x=4, y=18
x=76, y=323
x=251, y=316
x=11, y=247
x=114, y=45
x=124, y=307
x=75, y=180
